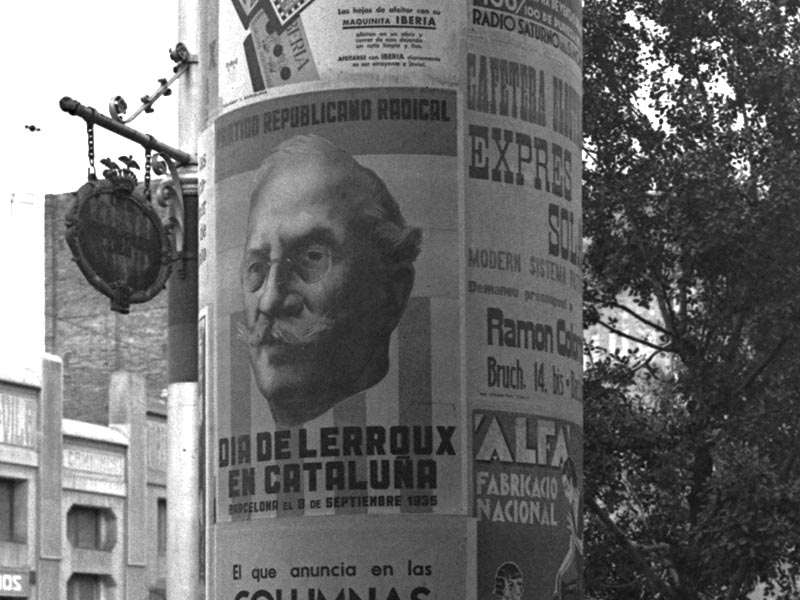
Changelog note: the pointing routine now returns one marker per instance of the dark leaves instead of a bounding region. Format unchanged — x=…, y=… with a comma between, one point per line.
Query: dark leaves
x=692, y=216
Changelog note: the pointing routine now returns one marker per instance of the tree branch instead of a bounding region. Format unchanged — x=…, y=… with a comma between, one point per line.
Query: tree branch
x=639, y=317
x=787, y=465
x=660, y=291
x=761, y=366
x=585, y=150
x=735, y=337
x=645, y=363
x=737, y=586
x=665, y=306
x=633, y=338
x=651, y=547
x=629, y=547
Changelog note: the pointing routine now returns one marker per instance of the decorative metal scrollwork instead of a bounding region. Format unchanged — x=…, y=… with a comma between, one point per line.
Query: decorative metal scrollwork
x=169, y=195
x=117, y=107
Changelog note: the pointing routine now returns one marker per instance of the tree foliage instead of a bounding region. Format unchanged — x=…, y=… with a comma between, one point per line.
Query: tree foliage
x=692, y=216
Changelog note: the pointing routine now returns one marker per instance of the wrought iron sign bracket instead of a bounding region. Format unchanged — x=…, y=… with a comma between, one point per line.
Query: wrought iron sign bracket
x=90, y=115
x=169, y=195
x=167, y=159
x=180, y=55
x=177, y=165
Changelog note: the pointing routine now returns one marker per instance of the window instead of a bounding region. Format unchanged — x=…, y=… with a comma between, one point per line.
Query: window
x=82, y=586
x=91, y=528
x=86, y=586
x=6, y=510
x=84, y=527
x=162, y=526
x=157, y=594
x=13, y=510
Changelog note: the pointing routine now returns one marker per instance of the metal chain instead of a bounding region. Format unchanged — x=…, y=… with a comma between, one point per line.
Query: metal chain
x=147, y=174
x=90, y=136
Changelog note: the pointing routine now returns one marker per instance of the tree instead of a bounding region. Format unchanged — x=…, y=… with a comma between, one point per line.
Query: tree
x=692, y=220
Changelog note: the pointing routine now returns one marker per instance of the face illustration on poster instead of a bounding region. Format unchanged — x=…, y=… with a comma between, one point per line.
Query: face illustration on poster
x=326, y=275
x=508, y=582
x=566, y=586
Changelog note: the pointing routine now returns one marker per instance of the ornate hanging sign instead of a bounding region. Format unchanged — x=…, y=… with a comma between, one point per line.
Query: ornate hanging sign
x=118, y=240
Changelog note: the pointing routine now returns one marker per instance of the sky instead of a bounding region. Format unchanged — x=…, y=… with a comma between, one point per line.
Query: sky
x=91, y=51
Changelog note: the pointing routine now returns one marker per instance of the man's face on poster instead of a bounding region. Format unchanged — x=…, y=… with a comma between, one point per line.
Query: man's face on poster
x=570, y=491
x=513, y=588
x=318, y=300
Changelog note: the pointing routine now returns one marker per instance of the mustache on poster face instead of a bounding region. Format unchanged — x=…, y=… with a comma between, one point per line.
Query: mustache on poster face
x=275, y=331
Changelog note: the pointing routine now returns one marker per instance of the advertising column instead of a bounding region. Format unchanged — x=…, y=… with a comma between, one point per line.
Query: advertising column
x=348, y=243
x=523, y=295
x=330, y=279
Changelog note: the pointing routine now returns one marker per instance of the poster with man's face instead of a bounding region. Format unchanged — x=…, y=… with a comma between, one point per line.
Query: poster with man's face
x=334, y=215
x=327, y=271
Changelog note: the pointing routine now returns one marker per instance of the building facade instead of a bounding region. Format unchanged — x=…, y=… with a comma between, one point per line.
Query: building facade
x=91, y=340
x=82, y=505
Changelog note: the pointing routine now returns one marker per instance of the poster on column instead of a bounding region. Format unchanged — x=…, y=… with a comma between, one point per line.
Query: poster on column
x=523, y=293
x=411, y=557
x=556, y=25
x=528, y=477
x=524, y=232
x=268, y=44
x=337, y=314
